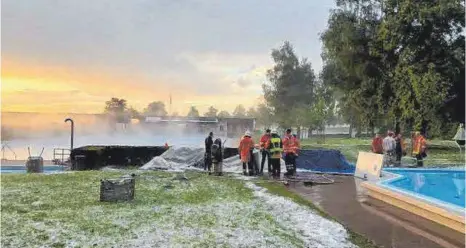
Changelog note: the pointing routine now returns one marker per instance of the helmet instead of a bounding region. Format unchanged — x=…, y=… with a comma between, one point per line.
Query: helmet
x=274, y=132
x=247, y=133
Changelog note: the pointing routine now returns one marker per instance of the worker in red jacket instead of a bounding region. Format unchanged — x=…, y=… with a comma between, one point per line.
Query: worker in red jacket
x=245, y=147
x=265, y=153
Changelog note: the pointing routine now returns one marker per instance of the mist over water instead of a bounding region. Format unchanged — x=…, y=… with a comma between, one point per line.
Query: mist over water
x=133, y=135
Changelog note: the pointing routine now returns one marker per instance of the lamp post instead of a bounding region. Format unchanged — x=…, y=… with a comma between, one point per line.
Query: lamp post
x=72, y=130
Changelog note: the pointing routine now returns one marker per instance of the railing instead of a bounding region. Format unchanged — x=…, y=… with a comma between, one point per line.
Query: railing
x=4, y=146
x=61, y=155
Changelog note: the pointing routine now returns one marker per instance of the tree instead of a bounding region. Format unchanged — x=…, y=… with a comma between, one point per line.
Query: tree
x=239, y=111
x=117, y=109
x=290, y=85
x=426, y=41
x=156, y=109
x=115, y=106
x=211, y=112
x=193, y=112
x=350, y=65
x=134, y=114
x=397, y=63
x=264, y=116
x=223, y=114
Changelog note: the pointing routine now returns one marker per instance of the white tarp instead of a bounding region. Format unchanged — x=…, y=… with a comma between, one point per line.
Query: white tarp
x=177, y=158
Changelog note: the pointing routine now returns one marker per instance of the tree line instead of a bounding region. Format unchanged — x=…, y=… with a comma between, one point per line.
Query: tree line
x=387, y=64
x=119, y=108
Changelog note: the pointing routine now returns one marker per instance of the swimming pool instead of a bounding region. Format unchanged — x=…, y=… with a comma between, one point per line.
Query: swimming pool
x=439, y=186
x=22, y=169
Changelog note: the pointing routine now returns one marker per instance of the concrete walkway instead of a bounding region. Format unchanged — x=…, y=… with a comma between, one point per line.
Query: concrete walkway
x=387, y=226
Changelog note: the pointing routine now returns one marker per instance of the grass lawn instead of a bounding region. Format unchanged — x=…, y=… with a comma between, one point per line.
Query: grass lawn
x=63, y=210
x=440, y=152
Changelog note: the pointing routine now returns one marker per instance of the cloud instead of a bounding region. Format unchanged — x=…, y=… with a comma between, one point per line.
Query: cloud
x=143, y=50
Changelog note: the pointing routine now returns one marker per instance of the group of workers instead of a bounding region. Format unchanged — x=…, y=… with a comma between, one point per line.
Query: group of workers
x=394, y=148
x=272, y=148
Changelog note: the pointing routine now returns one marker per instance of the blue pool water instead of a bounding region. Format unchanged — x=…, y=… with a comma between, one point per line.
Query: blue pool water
x=22, y=169
x=445, y=185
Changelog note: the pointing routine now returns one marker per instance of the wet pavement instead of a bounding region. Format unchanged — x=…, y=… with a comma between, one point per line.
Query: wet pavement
x=386, y=225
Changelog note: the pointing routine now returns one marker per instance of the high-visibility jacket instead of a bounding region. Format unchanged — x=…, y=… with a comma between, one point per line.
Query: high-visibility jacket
x=264, y=139
x=289, y=144
x=244, y=148
x=274, y=145
x=419, y=145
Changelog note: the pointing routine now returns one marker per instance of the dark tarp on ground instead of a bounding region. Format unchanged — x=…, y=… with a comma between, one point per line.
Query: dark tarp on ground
x=323, y=160
x=96, y=157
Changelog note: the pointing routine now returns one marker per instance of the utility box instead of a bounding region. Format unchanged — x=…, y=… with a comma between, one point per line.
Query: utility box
x=35, y=165
x=115, y=190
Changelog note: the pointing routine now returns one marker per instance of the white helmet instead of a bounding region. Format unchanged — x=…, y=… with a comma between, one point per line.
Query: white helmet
x=274, y=131
x=247, y=133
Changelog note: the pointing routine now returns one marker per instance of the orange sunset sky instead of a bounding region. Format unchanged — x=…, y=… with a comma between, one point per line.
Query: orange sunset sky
x=72, y=56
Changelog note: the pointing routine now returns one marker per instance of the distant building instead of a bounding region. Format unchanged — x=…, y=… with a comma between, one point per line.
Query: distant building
x=227, y=127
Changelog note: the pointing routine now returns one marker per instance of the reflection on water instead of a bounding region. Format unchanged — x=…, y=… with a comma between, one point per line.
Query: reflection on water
x=442, y=185
x=20, y=147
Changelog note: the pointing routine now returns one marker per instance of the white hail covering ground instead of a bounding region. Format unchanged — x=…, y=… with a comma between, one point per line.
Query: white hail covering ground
x=291, y=225
x=308, y=228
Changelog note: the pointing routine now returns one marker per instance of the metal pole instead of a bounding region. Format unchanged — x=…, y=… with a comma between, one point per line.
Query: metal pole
x=72, y=131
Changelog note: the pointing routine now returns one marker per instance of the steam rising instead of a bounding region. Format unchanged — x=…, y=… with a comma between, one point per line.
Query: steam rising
x=96, y=130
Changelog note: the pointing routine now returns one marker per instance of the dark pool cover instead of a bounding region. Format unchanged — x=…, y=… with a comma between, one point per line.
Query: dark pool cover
x=323, y=160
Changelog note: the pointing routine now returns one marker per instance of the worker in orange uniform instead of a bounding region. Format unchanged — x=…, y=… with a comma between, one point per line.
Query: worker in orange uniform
x=264, y=151
x=377, y=144
x=419, y=148
x=245, y=146
x=290, y=152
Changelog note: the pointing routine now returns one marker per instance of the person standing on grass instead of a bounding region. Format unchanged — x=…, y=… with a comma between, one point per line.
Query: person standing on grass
x=265, y=154
x=275, y=148
x=217, y=157
x=245, y=146
x=389, y=145
x=208, y=151
x=419, y=148
x=377, y=144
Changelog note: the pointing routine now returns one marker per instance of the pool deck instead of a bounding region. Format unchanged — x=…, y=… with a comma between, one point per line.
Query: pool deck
x=386, y=225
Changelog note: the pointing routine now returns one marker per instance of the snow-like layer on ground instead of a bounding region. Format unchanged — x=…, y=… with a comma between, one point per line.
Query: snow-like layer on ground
x=267, y=221
x=315, y=230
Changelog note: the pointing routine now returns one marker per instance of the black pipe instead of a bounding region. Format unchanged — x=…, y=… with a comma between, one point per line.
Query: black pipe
x=72, y=131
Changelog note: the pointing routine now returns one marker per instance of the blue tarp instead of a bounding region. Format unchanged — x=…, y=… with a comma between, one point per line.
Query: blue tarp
x=325, y=161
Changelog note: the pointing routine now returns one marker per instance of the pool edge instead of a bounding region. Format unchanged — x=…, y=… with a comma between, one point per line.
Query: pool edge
x=417, y=207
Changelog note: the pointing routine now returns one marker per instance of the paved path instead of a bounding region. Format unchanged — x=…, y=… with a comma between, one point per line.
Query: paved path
x=387, y=226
